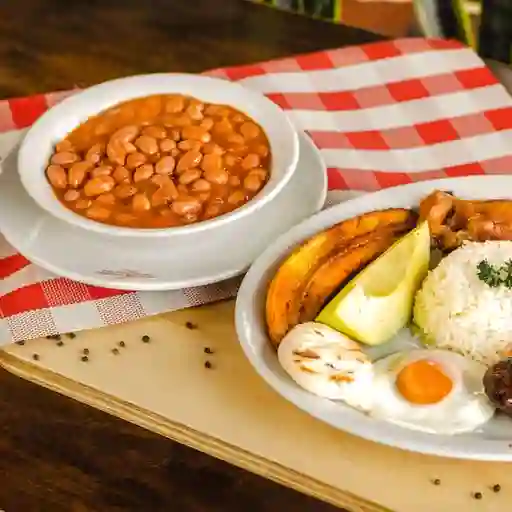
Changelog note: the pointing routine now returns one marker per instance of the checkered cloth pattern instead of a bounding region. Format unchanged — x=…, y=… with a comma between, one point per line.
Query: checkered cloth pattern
x=383, y=114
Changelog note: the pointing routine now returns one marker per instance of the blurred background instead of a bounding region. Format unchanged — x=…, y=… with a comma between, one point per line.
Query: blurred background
x=394, y=18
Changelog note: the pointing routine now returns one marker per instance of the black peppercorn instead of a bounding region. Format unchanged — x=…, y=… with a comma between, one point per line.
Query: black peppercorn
x=35, y=357
x=122, y=344
x=207, y=364
x=115, y=351
x=496, y=488
x=436, y=481
x=60, y=343
x=85, y=359
x=208, y=350
x=478, y=495
x=20, y=342
x=71, y=335
x=86, y=351
x=190, y=325
x=146, y=338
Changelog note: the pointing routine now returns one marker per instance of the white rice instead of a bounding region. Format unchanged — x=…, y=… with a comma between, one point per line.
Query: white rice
x=457, y=311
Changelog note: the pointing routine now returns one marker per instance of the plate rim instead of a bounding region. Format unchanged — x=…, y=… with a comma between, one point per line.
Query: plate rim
x=358, y=424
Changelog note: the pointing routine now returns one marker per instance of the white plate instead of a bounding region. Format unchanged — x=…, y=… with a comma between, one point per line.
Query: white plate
x=157, y=264
x=489, y=443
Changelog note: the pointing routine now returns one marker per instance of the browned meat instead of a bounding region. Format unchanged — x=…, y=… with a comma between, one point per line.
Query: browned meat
x=498, y=386
x=436, y=208
x=453, y=220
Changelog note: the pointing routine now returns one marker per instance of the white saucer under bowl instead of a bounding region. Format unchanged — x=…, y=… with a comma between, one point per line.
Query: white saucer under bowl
x=157, y=264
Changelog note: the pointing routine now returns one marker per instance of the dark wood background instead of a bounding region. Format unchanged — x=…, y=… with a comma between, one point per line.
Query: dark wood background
x=48, y=45
x=57, y=455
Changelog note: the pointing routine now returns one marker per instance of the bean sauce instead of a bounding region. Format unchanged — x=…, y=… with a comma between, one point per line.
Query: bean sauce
x=160, y=161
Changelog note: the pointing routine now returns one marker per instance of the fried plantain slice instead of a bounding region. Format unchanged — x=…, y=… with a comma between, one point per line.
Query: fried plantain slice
x=287, y=286
x=332, y=274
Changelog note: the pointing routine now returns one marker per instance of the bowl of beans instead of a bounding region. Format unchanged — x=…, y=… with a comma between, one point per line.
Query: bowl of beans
x=158, y=155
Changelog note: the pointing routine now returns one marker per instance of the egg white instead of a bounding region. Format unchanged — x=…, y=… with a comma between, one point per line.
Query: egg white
x=464, y=409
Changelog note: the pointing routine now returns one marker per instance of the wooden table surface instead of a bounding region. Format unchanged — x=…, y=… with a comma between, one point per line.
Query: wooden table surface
x=57, y=455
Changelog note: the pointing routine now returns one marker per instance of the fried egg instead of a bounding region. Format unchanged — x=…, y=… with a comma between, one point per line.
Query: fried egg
x=433, y=391
x=328, y=364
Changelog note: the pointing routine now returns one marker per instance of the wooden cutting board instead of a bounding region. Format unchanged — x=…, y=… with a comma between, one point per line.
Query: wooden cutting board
x=229, y=412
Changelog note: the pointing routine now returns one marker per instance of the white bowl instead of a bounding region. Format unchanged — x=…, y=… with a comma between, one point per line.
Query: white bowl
x=54, y=125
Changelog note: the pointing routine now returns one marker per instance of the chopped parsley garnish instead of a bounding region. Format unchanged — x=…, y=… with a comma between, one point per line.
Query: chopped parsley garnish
x=495, y=276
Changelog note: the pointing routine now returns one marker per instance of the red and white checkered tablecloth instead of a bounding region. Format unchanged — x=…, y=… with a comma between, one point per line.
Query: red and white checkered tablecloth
x=382, y=114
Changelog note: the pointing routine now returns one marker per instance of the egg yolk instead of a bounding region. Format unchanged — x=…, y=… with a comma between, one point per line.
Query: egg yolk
x=423, y=382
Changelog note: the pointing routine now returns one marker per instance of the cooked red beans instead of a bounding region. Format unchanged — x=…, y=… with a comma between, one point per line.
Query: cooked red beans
x=160, y=161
